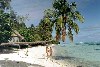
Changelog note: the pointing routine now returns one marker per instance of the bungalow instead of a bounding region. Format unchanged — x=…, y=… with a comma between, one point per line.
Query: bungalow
x=16, y=37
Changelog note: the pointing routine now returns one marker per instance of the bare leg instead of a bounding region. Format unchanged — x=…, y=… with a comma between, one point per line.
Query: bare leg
x=50, y=51
x=46, y=50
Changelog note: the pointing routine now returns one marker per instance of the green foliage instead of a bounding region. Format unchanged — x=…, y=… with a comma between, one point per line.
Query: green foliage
x=8, y=21
x=5, y=29
x=45, y=29
x=54, y=42
x=63, y=16
x=30, y=34
x=5, y=4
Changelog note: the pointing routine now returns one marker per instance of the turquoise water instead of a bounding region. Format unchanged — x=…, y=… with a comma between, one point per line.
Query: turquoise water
x=85, y=53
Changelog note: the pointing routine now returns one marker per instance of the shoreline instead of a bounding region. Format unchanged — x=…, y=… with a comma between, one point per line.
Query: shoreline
x=34, y=55
x=62, y=56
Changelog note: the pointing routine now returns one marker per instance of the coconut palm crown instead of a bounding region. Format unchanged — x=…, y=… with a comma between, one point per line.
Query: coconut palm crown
x=64, y=16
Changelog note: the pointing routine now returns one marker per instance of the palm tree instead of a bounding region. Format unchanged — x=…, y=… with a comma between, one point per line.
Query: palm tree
x=64, y=16
x=45, y=29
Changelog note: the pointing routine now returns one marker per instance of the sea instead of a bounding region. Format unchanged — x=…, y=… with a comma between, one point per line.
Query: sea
x=80, y=54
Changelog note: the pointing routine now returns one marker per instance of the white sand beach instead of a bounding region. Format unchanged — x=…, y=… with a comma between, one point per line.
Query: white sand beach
x=34, y=55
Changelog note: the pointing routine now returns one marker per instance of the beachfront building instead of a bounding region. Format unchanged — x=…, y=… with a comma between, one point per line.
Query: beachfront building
x=16, y=37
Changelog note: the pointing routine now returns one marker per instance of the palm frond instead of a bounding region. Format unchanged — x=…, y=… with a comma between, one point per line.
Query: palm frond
x=79, y=16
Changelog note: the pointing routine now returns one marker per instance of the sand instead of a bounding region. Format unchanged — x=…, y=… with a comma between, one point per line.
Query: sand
x=29, y=57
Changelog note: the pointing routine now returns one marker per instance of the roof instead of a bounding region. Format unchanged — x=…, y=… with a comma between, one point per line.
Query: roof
x=16, y=34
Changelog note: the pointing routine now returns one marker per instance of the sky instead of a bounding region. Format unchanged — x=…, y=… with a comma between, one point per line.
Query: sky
x=89, y=30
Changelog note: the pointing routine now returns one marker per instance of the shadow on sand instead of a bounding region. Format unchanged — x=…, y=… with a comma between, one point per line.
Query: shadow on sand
x=11, y=48
x=8, y=63
x=6, y=50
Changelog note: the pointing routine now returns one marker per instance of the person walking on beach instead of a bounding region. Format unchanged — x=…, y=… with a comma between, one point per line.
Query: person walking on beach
x=48, y=51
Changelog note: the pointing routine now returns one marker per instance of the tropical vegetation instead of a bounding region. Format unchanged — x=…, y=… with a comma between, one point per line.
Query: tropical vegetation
x=5, y=29
x=63, y=17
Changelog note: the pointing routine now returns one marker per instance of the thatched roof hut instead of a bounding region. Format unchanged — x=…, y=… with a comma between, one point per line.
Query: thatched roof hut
x=16, y=37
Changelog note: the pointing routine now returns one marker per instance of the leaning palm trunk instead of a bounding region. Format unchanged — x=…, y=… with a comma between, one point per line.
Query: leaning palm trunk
x=63, y=34
x=57, y=37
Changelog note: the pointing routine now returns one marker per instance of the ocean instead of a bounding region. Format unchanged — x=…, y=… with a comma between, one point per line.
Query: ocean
x=79, y=54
